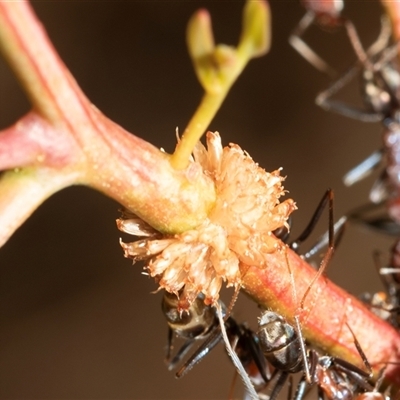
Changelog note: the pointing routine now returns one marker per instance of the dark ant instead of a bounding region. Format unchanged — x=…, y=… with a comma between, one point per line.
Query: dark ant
x=374, y=394
x=246, y=344
x=381, y=95
x=381, y=86
x=285, y=349
x=282, y=345
x=327, y=14
x=386, y=305
x=201, y=321
x=335, y=377
x=335, y=231
x=375, y=216
x=196, y=324
x=280, y=342
x=380, y=79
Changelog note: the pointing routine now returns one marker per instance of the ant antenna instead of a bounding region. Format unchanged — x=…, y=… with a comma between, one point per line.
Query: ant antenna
x=324, y=263
x=303, y=349
x=235, y=359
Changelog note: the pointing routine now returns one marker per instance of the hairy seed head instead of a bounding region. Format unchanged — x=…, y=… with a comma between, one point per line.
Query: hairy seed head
x=237, y=232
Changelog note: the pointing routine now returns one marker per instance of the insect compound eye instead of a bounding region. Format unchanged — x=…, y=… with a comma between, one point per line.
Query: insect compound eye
x=170, y=310
x=325, y=362
x=198, y=320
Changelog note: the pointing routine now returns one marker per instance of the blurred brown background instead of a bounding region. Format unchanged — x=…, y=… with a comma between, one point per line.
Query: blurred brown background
x=77, y=320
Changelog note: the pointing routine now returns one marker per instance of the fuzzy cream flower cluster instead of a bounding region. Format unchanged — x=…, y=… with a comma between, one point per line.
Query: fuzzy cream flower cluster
x=236, y=234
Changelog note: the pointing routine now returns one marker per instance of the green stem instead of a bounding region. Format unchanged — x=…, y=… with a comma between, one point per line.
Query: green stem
x=210, y=104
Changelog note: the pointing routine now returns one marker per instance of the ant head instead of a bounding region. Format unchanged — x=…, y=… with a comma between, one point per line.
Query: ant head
x=194, y=322
x=274, y=332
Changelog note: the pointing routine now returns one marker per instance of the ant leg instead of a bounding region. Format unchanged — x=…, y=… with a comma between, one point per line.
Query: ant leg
x=363, y=169
x=282, y=377
x=328, y=254
x=257, y=355
x=382, y=42
x=375, y=216
x=294, y=245
x=231, y=389
x=301, y=389
x=388, y=55
x=290, y=388
x=320, y=393
x=361, y=352
x=200, y=353
x=380, y=188
x=356, y=375
x=356, y=43
x=380, y=378
x=304, y=49
x=338, y=231
x=324, y=99
x=171, y=364
x=321, y=270
x=386, y=274
x=385, y=304
x=250, y=346
x=395, y=264
x=170, y=345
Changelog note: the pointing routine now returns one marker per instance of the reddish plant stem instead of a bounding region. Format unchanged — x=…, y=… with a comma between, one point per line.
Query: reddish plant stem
x=328, y=307
x=136, y=174
x=65, y=132
x=326, y=310
x=393, y=9
x=32, y=142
